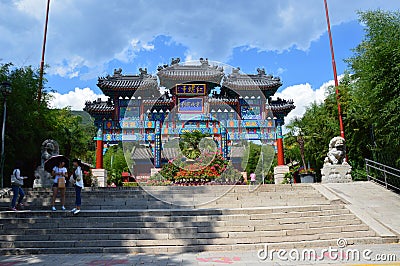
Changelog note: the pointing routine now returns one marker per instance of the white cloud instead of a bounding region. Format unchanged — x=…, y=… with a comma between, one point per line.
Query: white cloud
x=75, y=99
x=32, y=8
x=147, y=47
x=280, y=70
x=100, y=31
x=68, y=68
x=303, y=95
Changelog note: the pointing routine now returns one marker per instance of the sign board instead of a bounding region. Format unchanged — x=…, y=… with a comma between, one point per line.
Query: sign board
x=190, y=105
x=191, y=89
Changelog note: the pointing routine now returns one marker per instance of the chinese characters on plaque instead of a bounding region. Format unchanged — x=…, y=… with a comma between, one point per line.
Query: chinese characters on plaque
x=186, y=105
x=190, y=89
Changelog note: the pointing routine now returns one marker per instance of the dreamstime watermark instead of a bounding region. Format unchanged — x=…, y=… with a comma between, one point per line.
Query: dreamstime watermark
x=339, y=253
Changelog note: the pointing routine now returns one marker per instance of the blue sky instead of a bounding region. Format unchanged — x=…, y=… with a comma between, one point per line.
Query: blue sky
x=293, y=66
x=89, y=38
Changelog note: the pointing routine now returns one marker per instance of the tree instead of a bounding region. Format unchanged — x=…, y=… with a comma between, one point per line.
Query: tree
x=252, y=161
x=317, y=127
x=29, y=124
x=74, y=138
x=370, y=100
x=376, y=95
x=189, y=143
x=115, y=163
x=26, y=125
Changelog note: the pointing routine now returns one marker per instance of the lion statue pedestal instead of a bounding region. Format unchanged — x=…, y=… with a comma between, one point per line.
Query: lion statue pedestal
x=336, y=169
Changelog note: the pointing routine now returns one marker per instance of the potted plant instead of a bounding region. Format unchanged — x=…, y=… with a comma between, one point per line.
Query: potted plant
x=307, y=175
x=288, y=178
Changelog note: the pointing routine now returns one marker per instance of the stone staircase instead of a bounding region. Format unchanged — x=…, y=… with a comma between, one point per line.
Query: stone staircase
x=207, y=218
x=174, y=197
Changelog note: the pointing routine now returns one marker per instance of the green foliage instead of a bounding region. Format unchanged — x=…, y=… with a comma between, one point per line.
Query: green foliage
x=189, y=144
x=169, y=170
x=74, y=137
x=253, y=162
x=114, y=162
x=250, y=157
x=287, y=178
x=376, y=94
x=231, y=175
x=157, y=180
x=207, y=168
x=29, y=124
x=369, y=98
x=205, y=163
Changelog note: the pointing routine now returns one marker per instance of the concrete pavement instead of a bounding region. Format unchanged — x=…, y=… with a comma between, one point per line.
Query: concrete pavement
x=386, y=254
x=371, y=202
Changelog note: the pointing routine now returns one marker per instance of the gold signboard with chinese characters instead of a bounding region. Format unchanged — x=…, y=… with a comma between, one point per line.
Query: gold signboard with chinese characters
x=191, y=89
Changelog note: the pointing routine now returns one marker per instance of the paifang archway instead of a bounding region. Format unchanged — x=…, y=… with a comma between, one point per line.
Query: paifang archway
x=152, y=109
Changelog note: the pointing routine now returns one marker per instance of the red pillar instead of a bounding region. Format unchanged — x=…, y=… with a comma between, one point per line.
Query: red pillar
x=279, y=143
x=281, y=157
x=99, y=149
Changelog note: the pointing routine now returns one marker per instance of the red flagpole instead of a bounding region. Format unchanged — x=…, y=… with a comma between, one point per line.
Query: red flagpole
x=39, y=95
x=334, y=71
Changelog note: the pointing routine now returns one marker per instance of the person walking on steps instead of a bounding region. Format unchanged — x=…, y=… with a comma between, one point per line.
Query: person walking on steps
x=252, y=178
x=60, y=173
x=17, y=181
x=77, y=178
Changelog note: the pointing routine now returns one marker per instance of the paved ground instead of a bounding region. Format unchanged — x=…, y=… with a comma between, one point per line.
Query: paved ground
x=378, y=207
x=388, y=254
x=371, y=200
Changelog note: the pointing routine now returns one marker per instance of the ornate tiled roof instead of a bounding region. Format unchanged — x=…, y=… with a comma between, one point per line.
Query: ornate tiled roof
x=176, y=73
x=127, y=84
x=281, y=106
x=98, y=106
x=141, y=153
x=239, y=81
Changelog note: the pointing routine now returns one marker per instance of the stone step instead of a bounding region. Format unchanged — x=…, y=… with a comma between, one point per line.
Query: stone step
x=109, y=205
x=179, y=197
x=106, y=217
x=292, y=211
x=224, y=226
x=164, y=249
x=201, y=242
x=170, y=196
x=173, y=215
x=239, y=237
x=281, y=201
x=183, y=191
x=132, y=220
x=230, y=188
x=312, y=221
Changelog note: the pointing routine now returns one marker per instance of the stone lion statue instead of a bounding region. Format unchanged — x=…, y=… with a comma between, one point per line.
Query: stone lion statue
x=337, y=151
x=49, y=148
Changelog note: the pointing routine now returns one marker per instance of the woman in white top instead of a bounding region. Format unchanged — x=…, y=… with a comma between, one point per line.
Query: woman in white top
x=16, y=186
x=59, y=172
x=77, y=178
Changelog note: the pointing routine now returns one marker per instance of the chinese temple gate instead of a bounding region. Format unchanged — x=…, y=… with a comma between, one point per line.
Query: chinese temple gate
x=149, y=110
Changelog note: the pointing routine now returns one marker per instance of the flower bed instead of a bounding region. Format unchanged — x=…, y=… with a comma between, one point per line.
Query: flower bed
x=208, y=168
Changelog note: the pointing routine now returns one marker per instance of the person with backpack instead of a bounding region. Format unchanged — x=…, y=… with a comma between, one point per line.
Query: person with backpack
x=60, y=173
x=77, y=179
x=17, y=181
